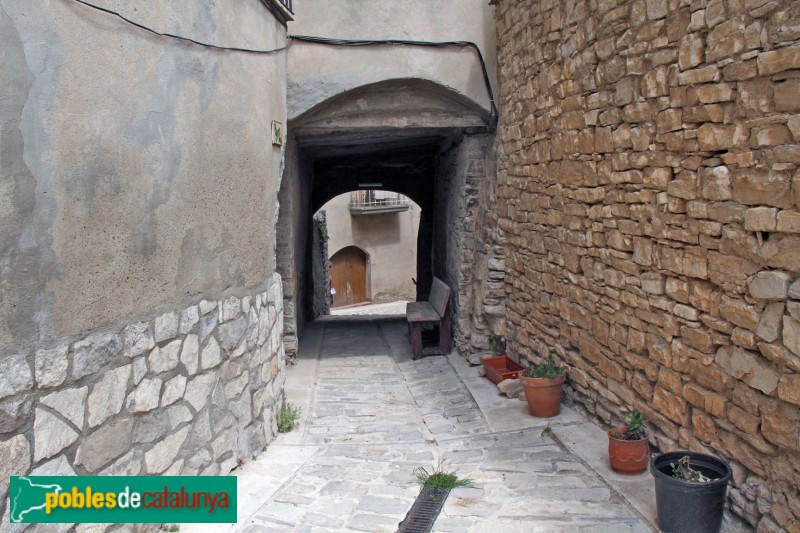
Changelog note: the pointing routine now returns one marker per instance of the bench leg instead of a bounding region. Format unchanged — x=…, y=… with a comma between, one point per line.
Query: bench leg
x=416, y=340
x=445, y=335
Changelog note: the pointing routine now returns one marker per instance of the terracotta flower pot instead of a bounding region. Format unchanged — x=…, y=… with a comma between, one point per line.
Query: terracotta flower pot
x=501, y=367
x=543, y=395
x=627, y=456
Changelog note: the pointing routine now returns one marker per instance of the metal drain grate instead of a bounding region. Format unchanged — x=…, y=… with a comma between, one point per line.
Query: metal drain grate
x=423, y=513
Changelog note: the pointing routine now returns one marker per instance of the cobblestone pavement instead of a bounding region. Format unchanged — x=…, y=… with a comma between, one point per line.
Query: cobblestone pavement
x=371, y=415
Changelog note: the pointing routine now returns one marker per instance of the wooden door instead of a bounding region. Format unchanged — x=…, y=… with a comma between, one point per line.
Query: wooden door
x=349, y=276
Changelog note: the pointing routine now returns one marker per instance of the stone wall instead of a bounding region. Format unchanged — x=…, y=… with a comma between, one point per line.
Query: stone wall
x=649, y=194
x=320, y=266
x=191, y=392
x=292, y=244
x=465, y=251
x=488, y=267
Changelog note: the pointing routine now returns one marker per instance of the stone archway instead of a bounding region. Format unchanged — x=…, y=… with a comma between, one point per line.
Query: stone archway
x=411, y=136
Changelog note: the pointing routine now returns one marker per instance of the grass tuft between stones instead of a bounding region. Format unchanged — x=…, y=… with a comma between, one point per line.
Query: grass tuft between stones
x=287, y=417
x=440, y=478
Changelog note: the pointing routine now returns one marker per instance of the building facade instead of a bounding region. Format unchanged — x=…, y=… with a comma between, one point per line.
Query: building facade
x=373, y=240
x=140, y=311
x=417, y=118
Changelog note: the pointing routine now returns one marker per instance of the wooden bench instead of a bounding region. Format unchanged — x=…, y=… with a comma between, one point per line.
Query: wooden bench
x=433, y=312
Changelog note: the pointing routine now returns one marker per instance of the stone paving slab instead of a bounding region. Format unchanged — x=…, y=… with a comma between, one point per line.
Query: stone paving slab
x=371, y=416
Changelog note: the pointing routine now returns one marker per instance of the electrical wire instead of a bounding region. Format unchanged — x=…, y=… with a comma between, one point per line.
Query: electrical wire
x=178, y=37
x=318, y=40
x=360, y=42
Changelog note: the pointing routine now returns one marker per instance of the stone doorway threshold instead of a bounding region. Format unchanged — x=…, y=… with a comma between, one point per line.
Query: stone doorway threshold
x=345, y=307
x=397, y=308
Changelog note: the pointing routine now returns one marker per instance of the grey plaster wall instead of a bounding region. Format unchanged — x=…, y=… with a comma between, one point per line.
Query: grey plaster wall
x=318, y=72
x=138, y=173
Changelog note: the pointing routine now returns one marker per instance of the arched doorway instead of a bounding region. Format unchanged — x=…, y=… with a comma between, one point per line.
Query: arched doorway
x=349, y=276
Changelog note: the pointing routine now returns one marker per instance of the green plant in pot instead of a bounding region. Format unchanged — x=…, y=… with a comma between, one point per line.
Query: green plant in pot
x=542, y=384
x=628, y=449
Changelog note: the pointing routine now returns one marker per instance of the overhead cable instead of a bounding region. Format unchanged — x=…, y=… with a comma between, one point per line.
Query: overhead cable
x=178, y=37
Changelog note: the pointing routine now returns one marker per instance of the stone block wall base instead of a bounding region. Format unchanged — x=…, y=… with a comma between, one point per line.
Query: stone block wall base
x=190, y=392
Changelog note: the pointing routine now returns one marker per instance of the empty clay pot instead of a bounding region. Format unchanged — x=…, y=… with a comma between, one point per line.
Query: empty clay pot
x=543, y=395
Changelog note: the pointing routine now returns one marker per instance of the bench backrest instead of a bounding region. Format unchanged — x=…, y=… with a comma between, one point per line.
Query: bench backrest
x=440, y=294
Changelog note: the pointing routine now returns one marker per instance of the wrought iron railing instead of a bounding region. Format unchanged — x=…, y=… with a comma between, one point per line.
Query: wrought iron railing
x=287, y=4
x=372, y=200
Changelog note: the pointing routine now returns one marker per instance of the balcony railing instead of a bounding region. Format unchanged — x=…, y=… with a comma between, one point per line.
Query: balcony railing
x=281, y=9
x=371, y=201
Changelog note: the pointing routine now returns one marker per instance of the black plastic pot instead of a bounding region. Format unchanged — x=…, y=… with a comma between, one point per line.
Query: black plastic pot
x=688, y=506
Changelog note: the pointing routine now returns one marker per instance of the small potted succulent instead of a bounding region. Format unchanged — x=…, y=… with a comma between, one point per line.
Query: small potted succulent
x=542, y=384
x=628, y=449
x=690, y=491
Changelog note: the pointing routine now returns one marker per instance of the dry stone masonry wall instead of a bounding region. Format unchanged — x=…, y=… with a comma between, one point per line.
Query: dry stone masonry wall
x=485, y=270
x=649, y=194
x=193, y=392
x=473, y=266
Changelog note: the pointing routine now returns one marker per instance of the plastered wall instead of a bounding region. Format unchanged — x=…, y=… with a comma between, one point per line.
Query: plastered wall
x=138, y=194
x=319, y=72
x=131, y=162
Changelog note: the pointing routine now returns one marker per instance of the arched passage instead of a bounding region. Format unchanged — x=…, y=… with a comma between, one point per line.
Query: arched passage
x=414, y=137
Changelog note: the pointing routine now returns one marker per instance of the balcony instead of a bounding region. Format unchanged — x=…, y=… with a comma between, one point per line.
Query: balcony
x=281, y=9
x=369, y=202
